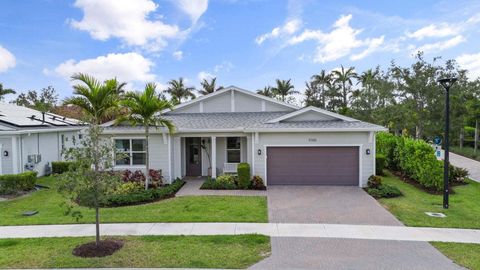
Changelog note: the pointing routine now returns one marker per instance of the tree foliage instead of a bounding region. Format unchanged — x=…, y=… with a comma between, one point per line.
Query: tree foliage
x=44, y=101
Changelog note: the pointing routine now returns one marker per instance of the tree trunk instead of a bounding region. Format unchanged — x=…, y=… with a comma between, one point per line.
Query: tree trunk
x=147, y=165
x=476, y=137
x=97, y=226
x=461, y=138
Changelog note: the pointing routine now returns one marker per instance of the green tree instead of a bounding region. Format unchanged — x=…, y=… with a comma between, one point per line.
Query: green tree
x=344, y=78
x=5, y=91
x=145, y=108
x=266, y=91
x=179, y=92
x=209, y=87
x=44, y=101
x=473, y=106
x=283, y=89
x=98, y=100
x=311, y=95
x=322, y=81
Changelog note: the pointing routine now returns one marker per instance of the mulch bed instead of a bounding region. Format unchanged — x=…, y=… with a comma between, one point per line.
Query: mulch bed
x=432, y=191
x=105, y=248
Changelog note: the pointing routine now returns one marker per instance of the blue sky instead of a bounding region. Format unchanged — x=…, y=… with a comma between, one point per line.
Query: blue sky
x=246, y=43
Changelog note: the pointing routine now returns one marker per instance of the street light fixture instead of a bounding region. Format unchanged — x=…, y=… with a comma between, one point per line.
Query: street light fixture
x=446, y=83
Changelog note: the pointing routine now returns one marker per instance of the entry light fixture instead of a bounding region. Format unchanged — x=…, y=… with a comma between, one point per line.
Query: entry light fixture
x=367, y=151
x=259, y=152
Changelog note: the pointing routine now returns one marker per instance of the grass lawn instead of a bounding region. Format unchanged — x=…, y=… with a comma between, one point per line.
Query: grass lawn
x=466, y=152
x=464, y=210
x=181, y=209
x=144, y=251
x=463, y=254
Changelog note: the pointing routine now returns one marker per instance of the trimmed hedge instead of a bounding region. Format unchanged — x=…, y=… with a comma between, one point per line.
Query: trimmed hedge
x=243, y=171
x=213, y=184
x=143, y=196
x=13, y=183
x=380, y=162
x=59, y=167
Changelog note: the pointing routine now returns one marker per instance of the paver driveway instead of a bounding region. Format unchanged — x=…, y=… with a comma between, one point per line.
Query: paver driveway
x=345, y=205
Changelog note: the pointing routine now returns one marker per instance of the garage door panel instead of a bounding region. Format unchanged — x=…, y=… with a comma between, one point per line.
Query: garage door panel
x=313, y=166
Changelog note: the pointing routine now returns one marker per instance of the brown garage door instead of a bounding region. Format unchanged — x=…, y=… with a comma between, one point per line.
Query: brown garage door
x=335, y=166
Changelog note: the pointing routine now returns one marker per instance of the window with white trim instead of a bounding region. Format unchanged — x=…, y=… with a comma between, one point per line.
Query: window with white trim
x=133, y=150
x=233, y=149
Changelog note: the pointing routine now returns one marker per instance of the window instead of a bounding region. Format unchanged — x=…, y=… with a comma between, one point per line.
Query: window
x=134, y=149
x=233, y=150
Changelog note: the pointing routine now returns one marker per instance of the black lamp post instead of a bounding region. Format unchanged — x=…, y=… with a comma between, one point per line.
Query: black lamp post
x=446, y=83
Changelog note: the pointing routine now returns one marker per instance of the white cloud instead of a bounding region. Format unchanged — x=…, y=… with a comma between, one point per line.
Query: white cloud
x=289, y=28
x=470, y=62
x=130, y=67
x=205, y=75
x=126, y=20
x=178, y=55
x=434, y=31
x=7, y=60
x=225, y=66
x=441, y=45
x=338, y=43
x=193, y=8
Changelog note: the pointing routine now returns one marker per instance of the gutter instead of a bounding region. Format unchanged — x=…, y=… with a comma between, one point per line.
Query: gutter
x=47, y=130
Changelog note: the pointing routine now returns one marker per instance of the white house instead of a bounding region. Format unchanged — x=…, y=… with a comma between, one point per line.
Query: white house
x=284, y=144
x=31, y=140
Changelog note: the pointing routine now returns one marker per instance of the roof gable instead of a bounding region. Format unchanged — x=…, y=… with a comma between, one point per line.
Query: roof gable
x=312, y=114
x=232, y=99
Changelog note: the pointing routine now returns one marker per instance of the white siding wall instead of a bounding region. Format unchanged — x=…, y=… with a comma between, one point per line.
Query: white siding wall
x=220, y=103
x=7, y=162
x=158, y=152
x=244, y=103
x=302, y=139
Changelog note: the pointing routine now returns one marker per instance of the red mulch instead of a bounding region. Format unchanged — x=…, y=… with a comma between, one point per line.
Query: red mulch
x=105, y=248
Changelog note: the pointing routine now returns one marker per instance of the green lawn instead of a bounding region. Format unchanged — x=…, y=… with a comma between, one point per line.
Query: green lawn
x=181, y=209
x=466, y=152
x=218, y=251
x=464, y=254
x=464, y=210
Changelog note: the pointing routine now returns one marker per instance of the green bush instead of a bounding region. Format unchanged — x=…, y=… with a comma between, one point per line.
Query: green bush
x=380, y=162
x=413, y=158
x=226, y=179
x=243, y=172
x=457, y=175
x=213, y=184
x=128, y=187
x=13, y=183
x=374, y=181
x=384, y=191
x=257, y=182
x=59, y=167
x=143, y=196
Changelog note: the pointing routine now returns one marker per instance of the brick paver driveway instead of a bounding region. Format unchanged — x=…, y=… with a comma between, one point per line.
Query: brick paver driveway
x=346, y=205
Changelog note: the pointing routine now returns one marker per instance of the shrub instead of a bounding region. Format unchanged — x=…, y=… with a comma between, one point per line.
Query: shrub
x=257, y=182
x=457, y=175
x=13, y=183
x=59, y=167
x=226, y=179
x=243, y=172
x=374, y=181
x=156, y=178
x=212, y=184
x=384, y=191
x=138, y=177
x=380, y=162
x=128, y=187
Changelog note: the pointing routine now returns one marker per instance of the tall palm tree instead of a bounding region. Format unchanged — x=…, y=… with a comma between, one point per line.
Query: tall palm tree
x=266, y=91
x=97, y=100
x=5, y=91
x=310, y=94
x=145, y=108
x=209, y=86
x=283, y=89
x=179, y=91
x=344, y=78
x=322, y=81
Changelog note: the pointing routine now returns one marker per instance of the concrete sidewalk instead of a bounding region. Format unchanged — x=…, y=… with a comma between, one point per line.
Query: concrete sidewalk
x=370, y=232
x=472, y=166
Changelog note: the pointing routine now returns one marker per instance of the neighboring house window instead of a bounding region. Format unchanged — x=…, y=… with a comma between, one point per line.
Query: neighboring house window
x=134, y=151
x=63, y=141
x=233, y=150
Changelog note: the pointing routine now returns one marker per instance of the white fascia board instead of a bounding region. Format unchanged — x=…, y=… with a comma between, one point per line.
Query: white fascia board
x=34, y=131
x=315, y=109
x=273, y=130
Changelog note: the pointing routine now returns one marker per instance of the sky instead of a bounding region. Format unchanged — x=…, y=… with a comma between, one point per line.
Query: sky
x=246, y=43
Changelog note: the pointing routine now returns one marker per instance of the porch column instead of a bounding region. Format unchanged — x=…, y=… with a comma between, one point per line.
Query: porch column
x=214, y=156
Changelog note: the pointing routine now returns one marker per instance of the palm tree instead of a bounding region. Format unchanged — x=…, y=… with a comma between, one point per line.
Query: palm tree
x=322, y=81
x=266, y=91
x=145, y=108
x=283, y=89
x=310, y=94
x=179, y=91
x=5, y=91
x=97, y=100
x=344, y=78
x=209, y=87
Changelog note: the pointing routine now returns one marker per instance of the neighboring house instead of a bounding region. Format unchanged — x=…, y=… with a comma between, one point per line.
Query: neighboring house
x=31, y=140
x=284, y=144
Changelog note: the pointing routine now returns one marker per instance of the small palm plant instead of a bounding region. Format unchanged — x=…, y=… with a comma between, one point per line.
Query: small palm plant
x=145, y=108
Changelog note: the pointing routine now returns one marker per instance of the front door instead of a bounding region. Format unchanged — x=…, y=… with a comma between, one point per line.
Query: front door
x=194, y=156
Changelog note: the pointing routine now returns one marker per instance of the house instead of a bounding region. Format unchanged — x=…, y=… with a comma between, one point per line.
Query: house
x=284, y=144
x=31, y=140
